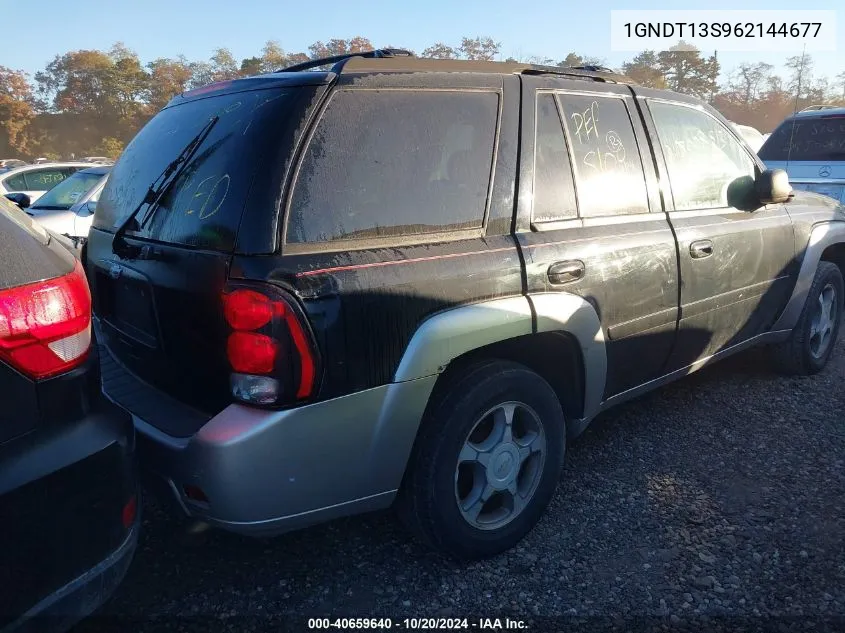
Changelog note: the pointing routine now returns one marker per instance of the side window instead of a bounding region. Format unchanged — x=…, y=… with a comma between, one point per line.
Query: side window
x=702, y=156
x=554, y=191
x=608, y=170
x=15, y=183
x=385, y=163
x=44, y=179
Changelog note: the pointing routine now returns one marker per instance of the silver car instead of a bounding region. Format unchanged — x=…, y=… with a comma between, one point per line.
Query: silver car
x=35, y=180
x=68, y=208
x=810, y=146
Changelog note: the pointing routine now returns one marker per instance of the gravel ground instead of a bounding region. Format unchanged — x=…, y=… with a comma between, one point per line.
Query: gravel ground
x=716, y=502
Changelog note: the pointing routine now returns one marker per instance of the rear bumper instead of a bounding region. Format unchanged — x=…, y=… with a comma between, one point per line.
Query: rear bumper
x=63, y=493
x=268, y=472
x=80, y=597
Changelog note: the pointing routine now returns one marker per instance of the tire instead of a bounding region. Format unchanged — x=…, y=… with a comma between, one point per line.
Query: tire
x=466, y=418
x=807, y=351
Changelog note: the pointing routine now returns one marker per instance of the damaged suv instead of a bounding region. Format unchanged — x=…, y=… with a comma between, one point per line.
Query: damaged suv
x=321, y=292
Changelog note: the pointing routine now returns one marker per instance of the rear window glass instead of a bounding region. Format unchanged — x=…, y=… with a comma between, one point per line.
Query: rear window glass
x=813, y=139
x=204, y=206
x=386, y=163
x=68, y=192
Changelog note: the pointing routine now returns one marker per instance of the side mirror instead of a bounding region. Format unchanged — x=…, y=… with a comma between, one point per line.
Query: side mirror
x=20, y=199
x=772, y=187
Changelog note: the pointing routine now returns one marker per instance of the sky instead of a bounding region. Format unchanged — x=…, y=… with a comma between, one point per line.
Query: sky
x=167, y=28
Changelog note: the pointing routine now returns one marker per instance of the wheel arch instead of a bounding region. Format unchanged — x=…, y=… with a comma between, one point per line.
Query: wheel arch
x=826, y=243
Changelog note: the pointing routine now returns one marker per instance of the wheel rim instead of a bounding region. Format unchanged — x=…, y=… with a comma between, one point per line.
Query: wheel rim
x=823, y=322
x=500, y=465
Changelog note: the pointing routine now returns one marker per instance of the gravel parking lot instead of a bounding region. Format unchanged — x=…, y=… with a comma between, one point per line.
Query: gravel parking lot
x=717, y=500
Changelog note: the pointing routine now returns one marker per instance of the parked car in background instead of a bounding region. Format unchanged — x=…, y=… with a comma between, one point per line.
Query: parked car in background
x=68, y=492
x=40, y=161
x=10, y=163
x=308, y=320
x=810, y=146
x=68, y=208
x=35, y=180
x=103, y=160
x=751, y=135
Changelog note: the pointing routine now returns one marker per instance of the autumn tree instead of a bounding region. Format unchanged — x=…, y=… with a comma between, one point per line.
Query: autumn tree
x=272, y=57
x=250, y=66
x=644, y=69
x=335, y=47
x=16, y=110
x=685, y=70
x=167, y=78
x=749, y=80
x=440, y=50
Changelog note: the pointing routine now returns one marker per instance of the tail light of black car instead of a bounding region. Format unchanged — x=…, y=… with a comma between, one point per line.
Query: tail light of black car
x=45, y=327
x=270, y=347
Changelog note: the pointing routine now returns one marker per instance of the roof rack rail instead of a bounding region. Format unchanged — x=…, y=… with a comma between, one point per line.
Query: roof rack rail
x=819, y=107
x=596, y=73
x=336, y=59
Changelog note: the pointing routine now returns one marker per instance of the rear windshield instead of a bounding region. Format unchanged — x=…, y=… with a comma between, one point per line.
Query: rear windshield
x=812, y=139
x=68, y=192
x=203, y=207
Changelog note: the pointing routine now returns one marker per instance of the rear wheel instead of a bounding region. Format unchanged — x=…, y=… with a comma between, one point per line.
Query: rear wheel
x=487, y=461
x=812, y=340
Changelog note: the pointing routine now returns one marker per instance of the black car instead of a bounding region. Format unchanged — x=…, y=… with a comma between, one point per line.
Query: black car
x=68, y=498
x=403, y=280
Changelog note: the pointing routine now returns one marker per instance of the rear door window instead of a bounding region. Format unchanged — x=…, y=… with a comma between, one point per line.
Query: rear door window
x=608, y=170
x=820, y=139
x=391, y=163
x=45, y=179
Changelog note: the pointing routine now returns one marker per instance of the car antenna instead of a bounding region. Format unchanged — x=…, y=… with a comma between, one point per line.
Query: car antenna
x=795, y=109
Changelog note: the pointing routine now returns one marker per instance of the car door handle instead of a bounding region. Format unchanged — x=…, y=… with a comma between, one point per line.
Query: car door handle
x=701, y=249
x=566, y=272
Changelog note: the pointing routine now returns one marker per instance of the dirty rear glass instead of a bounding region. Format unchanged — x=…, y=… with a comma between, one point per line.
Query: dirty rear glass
x=813, y=139
x=203, y=208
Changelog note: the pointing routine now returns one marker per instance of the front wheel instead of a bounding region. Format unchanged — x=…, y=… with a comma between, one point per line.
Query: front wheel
x=487, y=461
x=811, y=343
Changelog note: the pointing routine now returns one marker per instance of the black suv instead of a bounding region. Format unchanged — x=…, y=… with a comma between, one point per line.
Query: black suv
x=321, y=292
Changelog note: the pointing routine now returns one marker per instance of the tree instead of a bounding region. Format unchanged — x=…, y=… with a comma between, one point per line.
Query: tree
x=77, y=82
x=335, y=47
x=110, y=146
x=749, y=80
x=223, y=65
x=571, y=60
x=167, y=78
x=272, y=57
x=840, y=83
x=644, y=69
x=16, y=109
x=479, y=48
x=250, y=66
x=800, y=74
x=686, y=71
x=440, y=51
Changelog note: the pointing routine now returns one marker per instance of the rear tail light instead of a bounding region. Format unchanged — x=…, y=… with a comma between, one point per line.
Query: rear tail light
x=45, y=327
x=270, y=348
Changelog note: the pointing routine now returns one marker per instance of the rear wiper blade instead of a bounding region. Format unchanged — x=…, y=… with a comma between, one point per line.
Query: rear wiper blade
x=160, y=186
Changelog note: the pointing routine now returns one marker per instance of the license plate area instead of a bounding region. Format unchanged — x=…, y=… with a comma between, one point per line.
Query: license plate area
x=130, y=307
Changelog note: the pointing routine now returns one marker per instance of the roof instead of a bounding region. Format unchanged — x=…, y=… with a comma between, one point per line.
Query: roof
x=99, y=170
x=816, y=113
x=25, y=168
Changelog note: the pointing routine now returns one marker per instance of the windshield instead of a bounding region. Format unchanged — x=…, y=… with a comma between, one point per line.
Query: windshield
x=809, y=139
x=203, y=206
x=68, y=192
